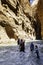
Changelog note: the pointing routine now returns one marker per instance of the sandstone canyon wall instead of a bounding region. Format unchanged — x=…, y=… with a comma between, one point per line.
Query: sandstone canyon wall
x=17, y=19
x=40, y=14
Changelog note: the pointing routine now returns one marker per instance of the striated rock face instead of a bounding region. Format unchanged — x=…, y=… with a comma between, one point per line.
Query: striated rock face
x=17, y=19
x=40, y=14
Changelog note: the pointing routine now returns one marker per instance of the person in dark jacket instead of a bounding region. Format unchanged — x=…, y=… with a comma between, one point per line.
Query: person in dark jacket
x=18, y=41
x=37, y=52
x=22, y=45
x=31, y=46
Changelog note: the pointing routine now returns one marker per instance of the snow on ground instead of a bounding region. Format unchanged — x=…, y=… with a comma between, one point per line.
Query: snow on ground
x=10, y=55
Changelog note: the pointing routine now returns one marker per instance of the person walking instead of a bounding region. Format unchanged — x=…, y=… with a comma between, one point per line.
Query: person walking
x=37, y=51
x=31, y=46
x=22, y=45
x=18, y=41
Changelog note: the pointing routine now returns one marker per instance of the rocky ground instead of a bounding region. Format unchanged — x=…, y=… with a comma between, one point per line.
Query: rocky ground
x=10, y=55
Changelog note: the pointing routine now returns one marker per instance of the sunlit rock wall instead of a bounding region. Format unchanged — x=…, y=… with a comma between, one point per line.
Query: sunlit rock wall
x=15, y=18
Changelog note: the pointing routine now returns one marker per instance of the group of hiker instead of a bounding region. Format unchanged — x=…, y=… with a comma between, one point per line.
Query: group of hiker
x=21, y=44
x=34, y=48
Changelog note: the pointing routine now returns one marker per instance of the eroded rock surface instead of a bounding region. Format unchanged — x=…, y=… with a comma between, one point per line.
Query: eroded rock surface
x=16, y=17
